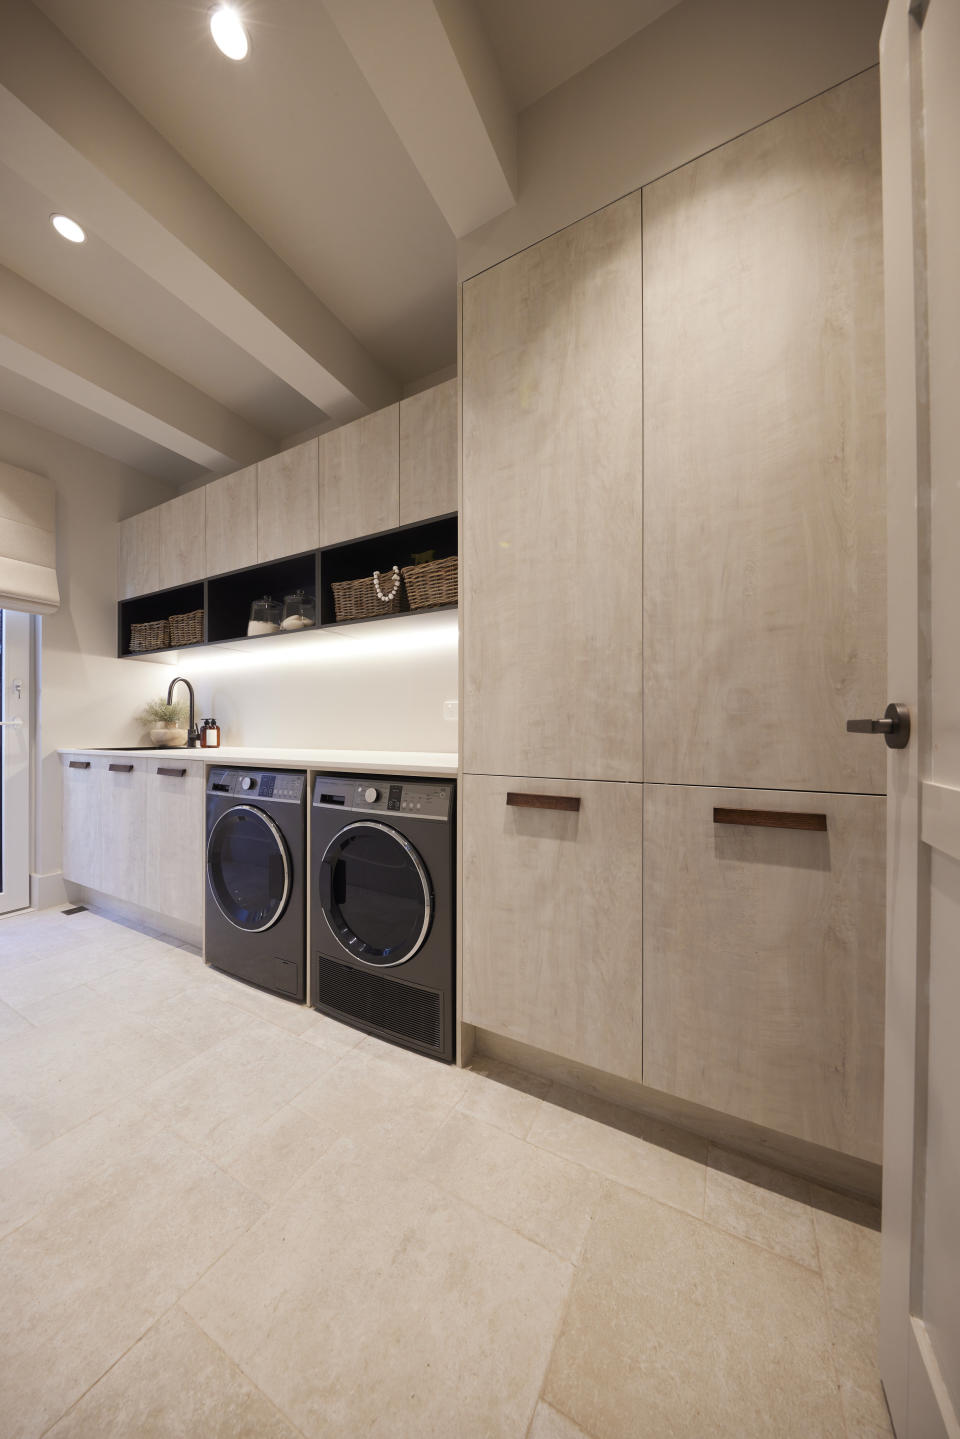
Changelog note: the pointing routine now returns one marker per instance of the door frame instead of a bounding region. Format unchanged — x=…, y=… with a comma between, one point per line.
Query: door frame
x=15, y=761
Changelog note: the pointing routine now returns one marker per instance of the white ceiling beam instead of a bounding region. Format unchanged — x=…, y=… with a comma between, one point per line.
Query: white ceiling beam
x=68, y=132
x=431, y=68
x=46, y=342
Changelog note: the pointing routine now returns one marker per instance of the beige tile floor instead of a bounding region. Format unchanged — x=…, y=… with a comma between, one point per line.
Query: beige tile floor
x=222, y=1217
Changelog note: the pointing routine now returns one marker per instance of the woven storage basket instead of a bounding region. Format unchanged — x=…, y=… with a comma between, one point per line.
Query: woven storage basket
x=152, y=636
x=432, y=584
x=358, y=599
x=186, y=629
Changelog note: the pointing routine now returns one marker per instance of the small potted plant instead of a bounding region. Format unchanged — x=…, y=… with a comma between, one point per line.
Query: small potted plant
x=167, y=723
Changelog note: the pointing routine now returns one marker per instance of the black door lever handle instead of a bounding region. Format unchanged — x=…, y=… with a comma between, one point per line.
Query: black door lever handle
x=895, y=726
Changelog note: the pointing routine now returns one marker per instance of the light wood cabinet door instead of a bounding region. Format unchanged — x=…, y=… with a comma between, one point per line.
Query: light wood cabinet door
x=360, y=477
x=138, y=555
x=231, y=524
x=124, y=828
x=428, y=453
x=552, y=919
x=82, y=813
x=182, y=546
x=764, y=960
x=175, y=852
x=552, y=505
x=764, y=480
x=287, y=503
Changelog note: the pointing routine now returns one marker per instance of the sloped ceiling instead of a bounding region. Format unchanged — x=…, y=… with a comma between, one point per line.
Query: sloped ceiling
x=271, y=243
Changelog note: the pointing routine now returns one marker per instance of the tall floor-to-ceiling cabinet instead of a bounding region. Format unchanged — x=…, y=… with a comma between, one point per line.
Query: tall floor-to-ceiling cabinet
x=673, y=560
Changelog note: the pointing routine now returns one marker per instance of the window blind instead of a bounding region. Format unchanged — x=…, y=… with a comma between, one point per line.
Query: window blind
x=28, y=542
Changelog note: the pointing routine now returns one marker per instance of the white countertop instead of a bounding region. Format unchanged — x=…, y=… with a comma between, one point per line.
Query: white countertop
x=363, y=761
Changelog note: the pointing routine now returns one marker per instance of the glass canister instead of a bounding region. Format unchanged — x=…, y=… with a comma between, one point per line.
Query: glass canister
x=299, y=611
x=265, y=616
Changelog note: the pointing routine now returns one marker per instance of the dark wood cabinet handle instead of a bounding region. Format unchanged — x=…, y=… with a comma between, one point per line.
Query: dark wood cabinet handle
x=79, y=764
x=121, y=768
x=172, y=773
x=770, y=818
x=544, y=801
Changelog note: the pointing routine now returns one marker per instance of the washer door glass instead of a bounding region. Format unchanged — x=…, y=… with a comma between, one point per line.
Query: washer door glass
x=248, y=868
x=375, y=894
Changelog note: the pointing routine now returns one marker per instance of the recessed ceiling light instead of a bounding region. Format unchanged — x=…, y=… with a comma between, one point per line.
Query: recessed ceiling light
x=68, y=228
x=226, y=27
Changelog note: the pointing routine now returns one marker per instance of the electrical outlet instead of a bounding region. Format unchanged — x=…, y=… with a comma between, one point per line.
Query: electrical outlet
x=451, y=709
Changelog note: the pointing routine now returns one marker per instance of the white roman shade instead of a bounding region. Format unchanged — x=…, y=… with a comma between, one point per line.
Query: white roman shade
x=28, y=542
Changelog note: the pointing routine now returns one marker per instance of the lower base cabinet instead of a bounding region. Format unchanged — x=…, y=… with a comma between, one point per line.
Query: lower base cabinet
x=552, y=917
x=133, y=830
x=764, y=959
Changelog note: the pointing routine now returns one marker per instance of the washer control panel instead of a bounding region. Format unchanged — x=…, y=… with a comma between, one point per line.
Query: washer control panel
x=285, y=785
x=419, y=798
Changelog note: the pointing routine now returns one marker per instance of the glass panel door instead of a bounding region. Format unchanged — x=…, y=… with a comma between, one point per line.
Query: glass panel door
x=375, y=894
x=14, y=761
x=248, y=868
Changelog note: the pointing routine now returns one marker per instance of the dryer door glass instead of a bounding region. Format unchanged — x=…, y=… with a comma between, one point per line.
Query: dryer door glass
x=248, y=868
x=375, y=894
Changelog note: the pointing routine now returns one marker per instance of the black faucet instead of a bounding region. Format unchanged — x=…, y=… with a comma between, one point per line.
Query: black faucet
x=193, y=734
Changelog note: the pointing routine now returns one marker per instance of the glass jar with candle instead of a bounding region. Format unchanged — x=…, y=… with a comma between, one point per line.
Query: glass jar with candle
x=299, y=611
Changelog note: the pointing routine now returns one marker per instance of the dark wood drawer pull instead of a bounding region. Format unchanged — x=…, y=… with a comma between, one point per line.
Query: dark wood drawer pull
x=172, y=773
x=121, y=769
x=544, y=801
x=770, y=818
x=79, y=764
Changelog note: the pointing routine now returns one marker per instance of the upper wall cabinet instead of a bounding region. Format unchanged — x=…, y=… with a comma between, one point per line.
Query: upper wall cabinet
x=552, y=503
x=287, y=503
x=182, y=548
x=428, y=453
x=764, y=488
x=138, y=555
x=232, y=521
x=360, y=477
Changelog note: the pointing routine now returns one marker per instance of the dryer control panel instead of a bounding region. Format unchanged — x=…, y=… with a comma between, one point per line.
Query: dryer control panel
x=419, y=798
x=283, y=785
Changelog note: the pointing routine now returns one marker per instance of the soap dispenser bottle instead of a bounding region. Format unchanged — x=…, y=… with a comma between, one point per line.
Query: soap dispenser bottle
x=210, y=734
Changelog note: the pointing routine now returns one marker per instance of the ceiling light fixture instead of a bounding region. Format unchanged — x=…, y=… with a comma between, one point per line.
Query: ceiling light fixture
x=68, y=228
x=226, y=27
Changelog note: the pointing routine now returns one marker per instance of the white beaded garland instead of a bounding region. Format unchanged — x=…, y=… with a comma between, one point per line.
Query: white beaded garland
x=396, y=585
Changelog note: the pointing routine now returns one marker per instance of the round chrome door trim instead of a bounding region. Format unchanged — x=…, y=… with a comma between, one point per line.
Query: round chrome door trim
x=424, y=884
x=281, y=845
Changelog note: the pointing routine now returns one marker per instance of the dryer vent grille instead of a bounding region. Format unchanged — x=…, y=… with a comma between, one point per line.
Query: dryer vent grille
x=388, y=1004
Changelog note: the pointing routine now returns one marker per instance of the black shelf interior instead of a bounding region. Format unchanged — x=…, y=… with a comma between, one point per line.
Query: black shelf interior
x=229, y=597
x=355, y=559
x=146, y=609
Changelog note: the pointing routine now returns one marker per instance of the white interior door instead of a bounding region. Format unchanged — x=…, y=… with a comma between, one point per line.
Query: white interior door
x=14, y=761
x=920, y=1301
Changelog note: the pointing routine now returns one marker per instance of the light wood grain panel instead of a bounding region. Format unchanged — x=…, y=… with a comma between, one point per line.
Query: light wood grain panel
x=428, y=453
x=551, y=540
x=764, y=483
x=764, y=962
x=552, y=922
x=124, y=829
x=288, y=503
x=138, y=554
x=176, y=868
x=360, y=477
x=182, y=547
x=231, y=525
x=82, y=815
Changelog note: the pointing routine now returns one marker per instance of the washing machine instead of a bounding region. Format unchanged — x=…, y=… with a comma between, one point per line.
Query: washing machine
x=382, y=907
x=255, y=911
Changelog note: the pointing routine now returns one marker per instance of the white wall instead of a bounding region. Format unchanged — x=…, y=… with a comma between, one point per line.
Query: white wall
x=705, y=72
x=86, y=695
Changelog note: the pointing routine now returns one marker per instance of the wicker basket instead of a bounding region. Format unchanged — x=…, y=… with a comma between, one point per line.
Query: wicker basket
x=152, y=636
x=431, y=584
x=186, y=629
x=358, y=599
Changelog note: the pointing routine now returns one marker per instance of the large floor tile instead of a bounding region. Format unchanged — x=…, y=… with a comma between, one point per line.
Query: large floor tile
x=37, y=978
x=370, y=1302
x=85, y=1278
x=174, y=1384
x=221, y=1097
x=501, y=1095
x=281, y=1150
x=548, y=1424
x=848, y=1239
x=761, y=1204
x=541, y=1196
x=11, y=1022
x=677, y=1330
x=664, y=1163
x=295, y=1018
